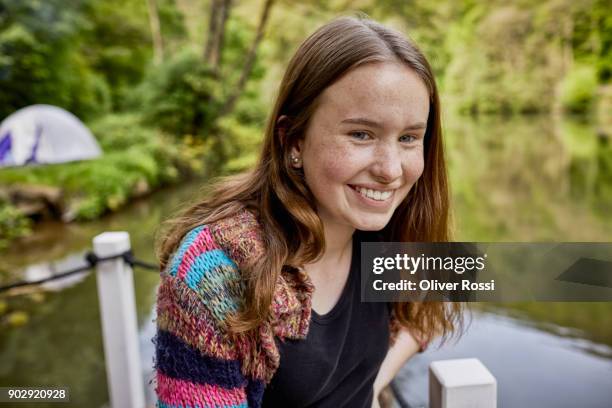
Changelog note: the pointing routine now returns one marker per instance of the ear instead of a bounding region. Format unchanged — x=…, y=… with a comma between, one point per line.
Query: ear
x=282, y=124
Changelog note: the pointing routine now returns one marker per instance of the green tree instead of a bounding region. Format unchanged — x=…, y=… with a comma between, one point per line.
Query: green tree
x=39, y=62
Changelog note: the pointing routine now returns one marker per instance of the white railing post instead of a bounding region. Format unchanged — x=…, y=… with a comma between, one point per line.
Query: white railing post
x=462, y=383
x=119, y=324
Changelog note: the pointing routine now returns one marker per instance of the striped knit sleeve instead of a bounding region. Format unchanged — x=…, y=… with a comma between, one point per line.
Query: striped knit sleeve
x=198, y=363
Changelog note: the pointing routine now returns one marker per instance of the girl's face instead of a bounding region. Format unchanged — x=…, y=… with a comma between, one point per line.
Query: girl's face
x=363, y=149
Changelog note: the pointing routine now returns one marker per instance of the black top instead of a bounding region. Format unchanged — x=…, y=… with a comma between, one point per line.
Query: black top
x=337, y=363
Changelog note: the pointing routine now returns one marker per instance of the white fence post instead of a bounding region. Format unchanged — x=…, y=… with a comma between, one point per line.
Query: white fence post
x=119, y=324
x=461, y=383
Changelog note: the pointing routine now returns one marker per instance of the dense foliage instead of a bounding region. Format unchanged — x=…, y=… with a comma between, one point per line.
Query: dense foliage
x=12, y=223
x=511, y=57
x=80, y=55
x=155, y=107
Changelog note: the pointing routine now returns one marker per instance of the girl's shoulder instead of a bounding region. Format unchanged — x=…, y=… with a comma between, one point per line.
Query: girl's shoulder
x=209, y=259
x=237, y=237
x=240, y=236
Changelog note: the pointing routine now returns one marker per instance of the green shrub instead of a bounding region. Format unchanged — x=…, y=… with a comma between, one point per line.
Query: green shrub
x=182, y=96
x=40, y=61
x=136, y=158
x=241, y=144
x=120, y=131
x=577, y=89
x=13, y=224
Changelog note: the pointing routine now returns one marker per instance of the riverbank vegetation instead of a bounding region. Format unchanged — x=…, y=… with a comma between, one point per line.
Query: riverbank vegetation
x=175, y=89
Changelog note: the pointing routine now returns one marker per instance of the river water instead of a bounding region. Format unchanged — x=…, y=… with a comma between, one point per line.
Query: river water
x=525, y=179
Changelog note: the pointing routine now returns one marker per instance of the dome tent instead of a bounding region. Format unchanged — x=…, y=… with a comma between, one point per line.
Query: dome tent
x=41, y=134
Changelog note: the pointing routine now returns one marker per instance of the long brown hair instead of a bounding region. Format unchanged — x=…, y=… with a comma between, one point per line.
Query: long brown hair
x=277, y=193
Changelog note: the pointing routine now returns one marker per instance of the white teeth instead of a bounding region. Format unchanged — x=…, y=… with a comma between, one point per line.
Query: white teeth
x=374, y=194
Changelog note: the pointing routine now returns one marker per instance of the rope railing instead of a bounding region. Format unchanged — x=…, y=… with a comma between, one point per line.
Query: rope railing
x=452, y=383
x=92, y=260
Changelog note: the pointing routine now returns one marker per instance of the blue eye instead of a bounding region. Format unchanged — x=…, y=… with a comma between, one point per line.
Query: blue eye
x=360, y=135
x=408, y=138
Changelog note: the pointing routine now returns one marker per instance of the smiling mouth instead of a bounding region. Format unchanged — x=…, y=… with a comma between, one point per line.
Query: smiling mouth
x=377, y=195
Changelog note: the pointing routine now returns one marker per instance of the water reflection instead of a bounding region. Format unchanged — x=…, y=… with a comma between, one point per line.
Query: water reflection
x=527, y=179
x=591, y=321
x=532, y=368
x=61, y=344
x=45, y=270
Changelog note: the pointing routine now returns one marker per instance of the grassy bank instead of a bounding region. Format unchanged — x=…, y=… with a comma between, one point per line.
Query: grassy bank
x=137, y=159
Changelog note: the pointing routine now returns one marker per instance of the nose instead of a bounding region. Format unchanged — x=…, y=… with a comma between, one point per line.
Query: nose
x=387, y=163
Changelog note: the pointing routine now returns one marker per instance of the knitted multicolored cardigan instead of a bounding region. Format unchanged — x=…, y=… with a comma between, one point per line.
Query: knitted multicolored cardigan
x=199, y=364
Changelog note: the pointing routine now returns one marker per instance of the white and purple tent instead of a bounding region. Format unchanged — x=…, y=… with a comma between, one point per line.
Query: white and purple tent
x=42, y=134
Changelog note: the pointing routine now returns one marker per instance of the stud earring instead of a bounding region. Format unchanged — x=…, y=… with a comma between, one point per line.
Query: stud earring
x=295, y=160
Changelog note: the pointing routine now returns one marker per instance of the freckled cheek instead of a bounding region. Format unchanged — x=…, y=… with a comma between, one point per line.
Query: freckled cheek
x=418, y=166
x=321, y=167
x=328, y=167
x=413, y=168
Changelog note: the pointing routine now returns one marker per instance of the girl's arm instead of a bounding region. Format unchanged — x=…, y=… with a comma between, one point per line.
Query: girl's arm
x=198, y=363
x=404, y=347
